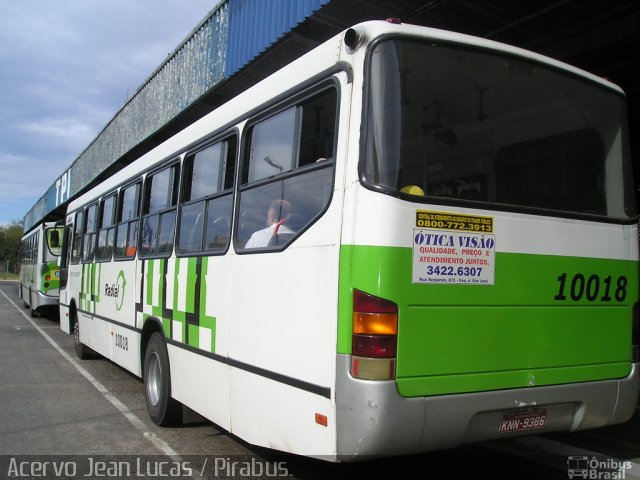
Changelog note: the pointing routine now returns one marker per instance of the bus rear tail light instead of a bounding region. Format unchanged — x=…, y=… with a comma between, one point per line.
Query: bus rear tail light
x=635, y=334
x=375, y=337
x=376, y=346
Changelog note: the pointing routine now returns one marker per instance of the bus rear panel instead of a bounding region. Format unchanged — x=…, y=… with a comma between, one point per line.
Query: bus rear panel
x=495, y=221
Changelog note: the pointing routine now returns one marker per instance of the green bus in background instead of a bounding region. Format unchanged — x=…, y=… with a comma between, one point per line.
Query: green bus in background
x=39, y=273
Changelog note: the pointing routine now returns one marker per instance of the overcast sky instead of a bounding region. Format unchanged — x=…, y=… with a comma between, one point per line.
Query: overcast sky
x=66, y=67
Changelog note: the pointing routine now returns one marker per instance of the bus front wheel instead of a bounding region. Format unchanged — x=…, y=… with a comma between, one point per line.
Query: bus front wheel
x=82, y=351
x=162, y=409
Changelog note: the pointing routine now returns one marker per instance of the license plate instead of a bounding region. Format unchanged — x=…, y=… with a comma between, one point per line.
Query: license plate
x=521, y=421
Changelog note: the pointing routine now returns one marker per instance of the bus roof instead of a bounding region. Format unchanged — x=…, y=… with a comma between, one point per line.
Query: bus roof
x=316, y=61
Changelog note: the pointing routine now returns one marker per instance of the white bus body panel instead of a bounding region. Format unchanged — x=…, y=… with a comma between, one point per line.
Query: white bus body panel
x=211, y=397
x=285, y=334
x=514, y=232
x=272, y=373
x=279, y=416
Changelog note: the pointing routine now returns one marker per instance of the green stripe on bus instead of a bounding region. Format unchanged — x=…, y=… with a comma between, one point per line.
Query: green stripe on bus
x=478, y=382
x=205, y=320
x=149, y=264
x=189, y=269
x=177, y=313
x=192, y=277
x=97, y=283
x=156, y=304
x=89, y=287
x=560, y=319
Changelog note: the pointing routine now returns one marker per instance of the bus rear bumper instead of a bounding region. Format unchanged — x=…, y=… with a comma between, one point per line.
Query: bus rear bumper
x=373, y=419
x=40, y=300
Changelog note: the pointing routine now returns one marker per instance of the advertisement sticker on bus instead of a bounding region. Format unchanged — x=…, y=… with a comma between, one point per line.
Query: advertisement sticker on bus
x=453, y=221
x=450, y=249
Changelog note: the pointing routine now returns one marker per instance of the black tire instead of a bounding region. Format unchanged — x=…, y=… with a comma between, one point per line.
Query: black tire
x=32, y=311
x=24, y=301
x=163, y=409
x=82, y=351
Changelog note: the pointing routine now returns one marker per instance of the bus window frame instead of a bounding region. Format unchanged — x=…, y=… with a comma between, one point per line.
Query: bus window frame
x=65, y=255
x=100, y=227
x=36, y=246
x=466, y=203
x=294, y=99
x=143, y=205
x=222, y=192
x=118, y=223
x=48, y=239
x=83, y=258
x=78, y=225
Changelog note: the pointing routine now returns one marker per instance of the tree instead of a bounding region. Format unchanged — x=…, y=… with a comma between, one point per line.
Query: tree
x=10, y=236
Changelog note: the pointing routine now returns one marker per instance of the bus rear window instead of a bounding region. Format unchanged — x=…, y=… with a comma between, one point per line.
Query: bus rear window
x=559, y=172
x=450, y=124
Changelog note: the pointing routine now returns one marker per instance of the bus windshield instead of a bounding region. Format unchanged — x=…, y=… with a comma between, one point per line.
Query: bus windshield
x=54, y=243
x=456, y=123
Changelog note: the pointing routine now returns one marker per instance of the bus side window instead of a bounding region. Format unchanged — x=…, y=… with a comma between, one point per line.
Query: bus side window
x=106, y=235
x=159, y=215
x=206, y=204
x=54, y=241
x=34, y=251
x=65, y=255
x=77, y=237
x=128, y=211
x=288, y=173
x=89, y=238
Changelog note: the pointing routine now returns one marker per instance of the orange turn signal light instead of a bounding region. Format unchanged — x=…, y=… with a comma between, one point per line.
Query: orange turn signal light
x=375, y=323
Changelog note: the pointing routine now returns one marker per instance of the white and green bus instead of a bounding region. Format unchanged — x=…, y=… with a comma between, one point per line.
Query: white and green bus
x=39, y=278
x=405, y=240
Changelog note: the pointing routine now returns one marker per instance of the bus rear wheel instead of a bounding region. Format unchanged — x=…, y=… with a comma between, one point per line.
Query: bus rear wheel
x=163, y=409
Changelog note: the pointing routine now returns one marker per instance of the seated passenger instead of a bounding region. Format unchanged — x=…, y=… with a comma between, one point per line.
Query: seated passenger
x=278, y=214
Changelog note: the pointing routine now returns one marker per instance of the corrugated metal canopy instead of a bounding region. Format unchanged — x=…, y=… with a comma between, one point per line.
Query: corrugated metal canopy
x=263, y=35
x=601, y=37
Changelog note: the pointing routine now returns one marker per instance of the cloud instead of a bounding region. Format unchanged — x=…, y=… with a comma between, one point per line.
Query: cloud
x=28, y=175
x=65, y=69
x=71, y=134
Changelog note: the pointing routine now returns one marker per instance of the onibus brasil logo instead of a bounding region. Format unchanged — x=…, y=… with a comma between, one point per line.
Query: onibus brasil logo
x=116, y=290
x=592, y=467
